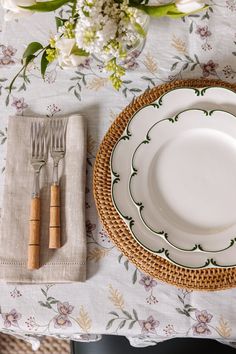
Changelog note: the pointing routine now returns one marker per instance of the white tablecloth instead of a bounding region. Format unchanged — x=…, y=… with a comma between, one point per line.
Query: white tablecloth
x=117, y=298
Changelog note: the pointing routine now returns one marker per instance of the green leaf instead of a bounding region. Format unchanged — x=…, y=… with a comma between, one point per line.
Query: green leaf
x=32, y=48
x=80, y=52
x=169, y=10
x=27, y=60
x=46, y=6
x=44, y=64
x=59, y=22
x=140, y=29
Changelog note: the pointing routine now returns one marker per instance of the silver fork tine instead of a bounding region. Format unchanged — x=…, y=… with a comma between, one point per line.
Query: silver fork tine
x=57, y=149
x=38, y=146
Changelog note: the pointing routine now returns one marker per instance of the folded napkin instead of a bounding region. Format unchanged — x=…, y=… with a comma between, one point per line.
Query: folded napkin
x=68, y=263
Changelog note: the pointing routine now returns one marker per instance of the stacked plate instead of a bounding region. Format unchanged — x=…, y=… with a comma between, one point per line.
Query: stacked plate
x=174, y=177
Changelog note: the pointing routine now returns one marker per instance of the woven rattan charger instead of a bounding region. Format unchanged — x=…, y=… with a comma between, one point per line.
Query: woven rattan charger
x=157, y=267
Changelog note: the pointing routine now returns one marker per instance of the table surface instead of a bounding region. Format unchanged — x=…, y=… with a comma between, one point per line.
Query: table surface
x=117, y=298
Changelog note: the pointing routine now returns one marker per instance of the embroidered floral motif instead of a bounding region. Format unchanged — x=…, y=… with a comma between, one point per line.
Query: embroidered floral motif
x=11, y=318
x=149, y=325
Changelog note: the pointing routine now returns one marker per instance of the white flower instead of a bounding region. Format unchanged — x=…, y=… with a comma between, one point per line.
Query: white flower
x=13, y=9
x=187, y=6
x=105, y=28
x=66, y=58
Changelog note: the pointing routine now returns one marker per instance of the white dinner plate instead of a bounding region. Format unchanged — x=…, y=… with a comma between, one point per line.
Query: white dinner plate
x=212, y=98
x=183, y=180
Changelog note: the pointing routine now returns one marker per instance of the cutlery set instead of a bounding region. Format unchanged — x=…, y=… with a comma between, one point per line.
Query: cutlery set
x=43, y=135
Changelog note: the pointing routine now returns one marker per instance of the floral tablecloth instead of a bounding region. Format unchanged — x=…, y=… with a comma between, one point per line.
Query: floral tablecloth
x=117, y=298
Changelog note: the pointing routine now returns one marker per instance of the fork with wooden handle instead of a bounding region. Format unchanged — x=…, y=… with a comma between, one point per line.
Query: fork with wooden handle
x=57, y=150
x=38, y=159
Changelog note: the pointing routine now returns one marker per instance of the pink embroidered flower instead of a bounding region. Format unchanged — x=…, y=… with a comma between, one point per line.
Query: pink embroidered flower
x=19, y=104
x=147, y=281
x=8, y=50
x=61, y=321
x=6, y=58
x=11, y=318
x=203, y=316
x=203, y=32
x=64, y=308
x=200, y=328
x=209, y=68
x=149, y=325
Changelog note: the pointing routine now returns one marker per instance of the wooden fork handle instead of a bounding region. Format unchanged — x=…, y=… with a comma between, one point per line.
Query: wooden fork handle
x=55, y=218
x=34, y=235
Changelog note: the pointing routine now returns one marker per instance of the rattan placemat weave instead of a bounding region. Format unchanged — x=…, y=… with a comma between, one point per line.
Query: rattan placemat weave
x=155, y=266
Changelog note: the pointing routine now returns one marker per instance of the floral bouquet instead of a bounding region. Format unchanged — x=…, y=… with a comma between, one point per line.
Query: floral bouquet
x=105, y=29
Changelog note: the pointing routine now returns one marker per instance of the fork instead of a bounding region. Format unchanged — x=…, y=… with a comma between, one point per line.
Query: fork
x=38, y=159
x=57, y=150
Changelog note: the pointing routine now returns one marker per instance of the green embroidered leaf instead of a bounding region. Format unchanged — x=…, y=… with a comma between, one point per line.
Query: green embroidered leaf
x=180, y=299
x=120, y=257
x=77, y=95
x=122, y=324
x=110, y=323
x=7, y=100
x=174, y=66
x=191, y=28
x=126, y=264
x=44, y=293
x=131, y=324
x=127, y=314
x=180, y=311
x=185, y=66
x=114, y=313
x=46, y=6
x=135, y=314
x=134, y=278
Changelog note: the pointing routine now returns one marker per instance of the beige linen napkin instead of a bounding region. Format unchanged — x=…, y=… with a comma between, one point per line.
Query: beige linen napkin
x=68, y=263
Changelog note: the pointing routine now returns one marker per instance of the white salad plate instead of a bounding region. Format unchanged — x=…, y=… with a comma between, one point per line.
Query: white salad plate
x=182, y=178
